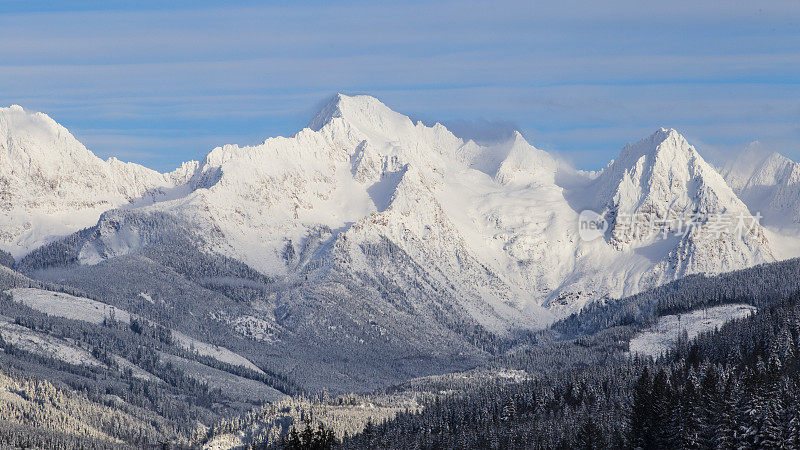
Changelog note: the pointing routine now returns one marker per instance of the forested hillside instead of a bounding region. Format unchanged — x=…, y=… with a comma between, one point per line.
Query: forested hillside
x=133, y=380
x=757, y=286
x=733, y=388
x=120, y=378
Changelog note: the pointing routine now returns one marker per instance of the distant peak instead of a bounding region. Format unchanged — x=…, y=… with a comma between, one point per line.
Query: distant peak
x=754, y=145
x=349, y=107
x=662, y=134
x=16, y=112
x=16, y=121
x=661, y=140
x=365, y=112
x=517, y=140
x=25, y=118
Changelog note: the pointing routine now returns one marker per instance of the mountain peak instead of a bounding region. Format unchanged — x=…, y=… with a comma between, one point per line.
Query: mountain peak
x=662, y=172
x=655, y=143
x=46, y=172
x=34, y=139
x=665, y=132
x=356, y=109
x=16, y=117
x=664, y=147
x=332, y=109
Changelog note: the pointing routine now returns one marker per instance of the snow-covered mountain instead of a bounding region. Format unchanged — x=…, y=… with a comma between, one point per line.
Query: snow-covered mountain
x=51, y=185
x=660, y=194
x=769, y=183
x=366, y=197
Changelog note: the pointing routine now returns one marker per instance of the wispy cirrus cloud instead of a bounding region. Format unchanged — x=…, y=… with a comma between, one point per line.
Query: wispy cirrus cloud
x=581, y=78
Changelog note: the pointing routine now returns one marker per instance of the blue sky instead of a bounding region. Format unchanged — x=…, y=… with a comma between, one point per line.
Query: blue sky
x=159, y=85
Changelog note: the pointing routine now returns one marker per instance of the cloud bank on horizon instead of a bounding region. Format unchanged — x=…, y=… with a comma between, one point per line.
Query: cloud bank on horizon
x=159, y=85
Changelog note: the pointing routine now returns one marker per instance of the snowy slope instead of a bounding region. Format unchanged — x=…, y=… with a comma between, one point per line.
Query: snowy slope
x=45, y=345
x=239, y=388
x=51, y=185
x=58, y=304
x=769, y=183
x=68, y=306
x=369, y=205
x=663, y=336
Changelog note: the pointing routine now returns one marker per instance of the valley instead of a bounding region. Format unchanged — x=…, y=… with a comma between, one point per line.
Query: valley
x=362, y=270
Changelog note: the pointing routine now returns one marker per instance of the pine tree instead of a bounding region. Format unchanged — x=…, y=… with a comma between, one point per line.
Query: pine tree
x=692, y=416
x=710, y=408
x=661, y=418
x=770, y=430
x=726, y=435
x=589, y=436
x=641, y=413
x=747, y=414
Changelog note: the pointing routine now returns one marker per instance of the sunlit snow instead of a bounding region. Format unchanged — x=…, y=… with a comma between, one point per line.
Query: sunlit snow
x=663, y=336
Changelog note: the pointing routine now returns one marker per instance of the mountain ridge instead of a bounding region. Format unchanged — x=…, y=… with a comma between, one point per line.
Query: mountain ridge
x=480, y=219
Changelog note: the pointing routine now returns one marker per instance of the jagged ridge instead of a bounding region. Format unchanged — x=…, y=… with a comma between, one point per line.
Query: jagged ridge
x=494, y=228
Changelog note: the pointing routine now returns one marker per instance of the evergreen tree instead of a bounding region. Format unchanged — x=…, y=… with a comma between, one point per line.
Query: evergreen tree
x=642, y=413
x=590, y=436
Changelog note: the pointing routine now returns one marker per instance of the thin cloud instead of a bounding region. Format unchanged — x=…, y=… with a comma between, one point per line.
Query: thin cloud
x=581, y=78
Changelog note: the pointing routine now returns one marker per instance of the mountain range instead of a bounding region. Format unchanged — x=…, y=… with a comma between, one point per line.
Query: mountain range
x=369, y=237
